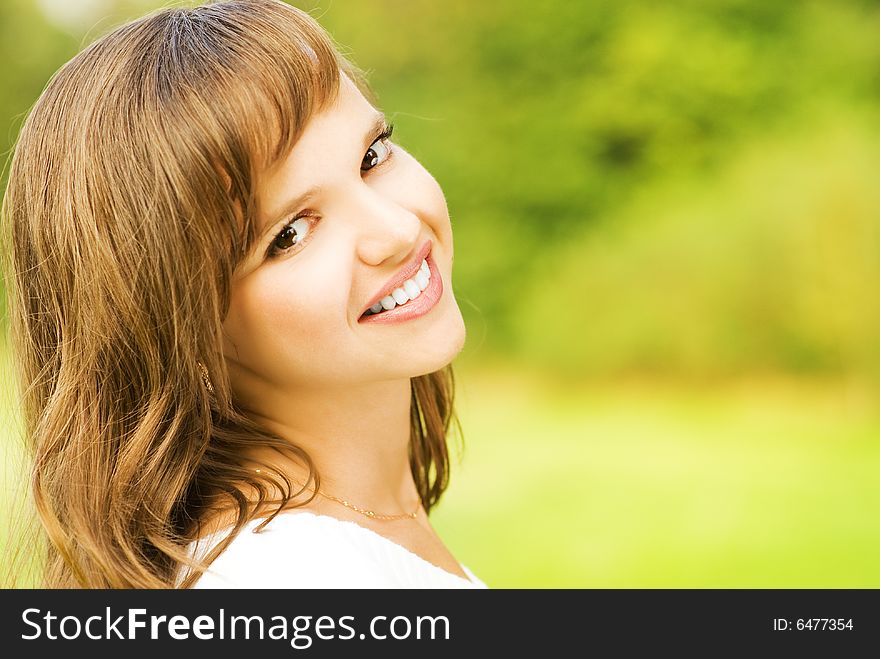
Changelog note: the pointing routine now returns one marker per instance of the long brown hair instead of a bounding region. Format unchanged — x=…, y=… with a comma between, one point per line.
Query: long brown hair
x=131, y=200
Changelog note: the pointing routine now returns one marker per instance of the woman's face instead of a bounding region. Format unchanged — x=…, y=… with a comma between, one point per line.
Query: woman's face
x=343, y=219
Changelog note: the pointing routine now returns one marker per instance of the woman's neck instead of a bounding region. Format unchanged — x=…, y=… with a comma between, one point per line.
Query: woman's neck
x=358, y=438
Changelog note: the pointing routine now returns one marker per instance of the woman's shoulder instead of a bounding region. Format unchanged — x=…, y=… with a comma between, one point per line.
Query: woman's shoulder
x=294, y=550
x=307, y=550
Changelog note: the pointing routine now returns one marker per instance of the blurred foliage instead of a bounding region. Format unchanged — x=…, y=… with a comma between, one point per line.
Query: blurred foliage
x=682, y=188
x=30, y=51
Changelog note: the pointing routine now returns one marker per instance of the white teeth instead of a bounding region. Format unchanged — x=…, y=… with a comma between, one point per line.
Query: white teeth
x=421, y=280
x=400, y=296
x=411, y=289
x=408, y=290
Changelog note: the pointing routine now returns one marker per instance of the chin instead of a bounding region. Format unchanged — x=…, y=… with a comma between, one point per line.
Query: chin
x=444, y=342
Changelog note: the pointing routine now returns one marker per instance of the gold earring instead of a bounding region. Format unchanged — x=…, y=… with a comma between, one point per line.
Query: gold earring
x=205, y=378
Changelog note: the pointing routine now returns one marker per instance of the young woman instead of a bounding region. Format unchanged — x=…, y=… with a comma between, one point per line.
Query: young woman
x=232, y=307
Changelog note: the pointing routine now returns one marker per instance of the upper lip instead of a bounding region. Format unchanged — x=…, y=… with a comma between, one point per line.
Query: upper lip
x=407, y=272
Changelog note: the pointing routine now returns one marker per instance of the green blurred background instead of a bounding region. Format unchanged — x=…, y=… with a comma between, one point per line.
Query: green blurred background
x=667, y=222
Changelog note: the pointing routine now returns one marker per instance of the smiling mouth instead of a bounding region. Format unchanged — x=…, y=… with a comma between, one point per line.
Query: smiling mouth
x=411, y=289
x=405, y=285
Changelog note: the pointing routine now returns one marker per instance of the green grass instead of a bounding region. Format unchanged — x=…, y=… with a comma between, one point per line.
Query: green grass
x=19, y=565
x=762, y=484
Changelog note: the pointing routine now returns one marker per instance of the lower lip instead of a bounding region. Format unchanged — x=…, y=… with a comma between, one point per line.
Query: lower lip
x=414, y=308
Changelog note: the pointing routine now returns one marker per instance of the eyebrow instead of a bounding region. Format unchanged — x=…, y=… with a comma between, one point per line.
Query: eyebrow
x=379, y=126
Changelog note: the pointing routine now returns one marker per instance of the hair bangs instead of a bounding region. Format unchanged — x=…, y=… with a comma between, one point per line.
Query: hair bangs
x=257, y=77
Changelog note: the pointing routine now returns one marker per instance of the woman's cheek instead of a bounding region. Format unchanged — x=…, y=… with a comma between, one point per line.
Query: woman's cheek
x=420, y=192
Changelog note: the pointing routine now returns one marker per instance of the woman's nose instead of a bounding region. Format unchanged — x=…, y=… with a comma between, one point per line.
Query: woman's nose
x=385, y=228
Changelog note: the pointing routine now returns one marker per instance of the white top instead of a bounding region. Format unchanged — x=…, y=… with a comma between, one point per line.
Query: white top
x=307, y=550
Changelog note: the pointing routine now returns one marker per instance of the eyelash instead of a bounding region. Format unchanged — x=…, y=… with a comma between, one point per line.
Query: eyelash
x=274, y=252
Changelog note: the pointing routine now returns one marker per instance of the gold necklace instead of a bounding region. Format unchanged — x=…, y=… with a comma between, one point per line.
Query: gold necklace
x=369, y=513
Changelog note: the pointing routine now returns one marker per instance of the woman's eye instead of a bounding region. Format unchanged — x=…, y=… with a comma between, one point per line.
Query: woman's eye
x=291, y=235
x=376, y=154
